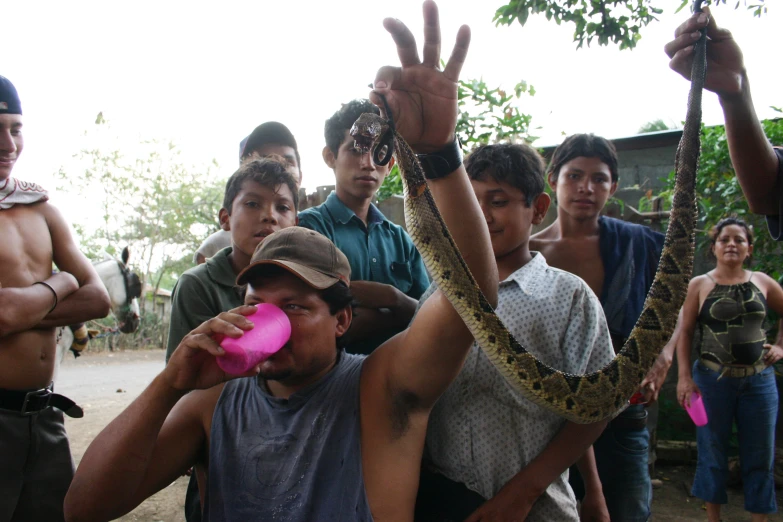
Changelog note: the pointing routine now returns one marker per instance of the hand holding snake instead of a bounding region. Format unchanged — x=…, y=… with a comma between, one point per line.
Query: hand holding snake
x=579, y=398
x=422, y=99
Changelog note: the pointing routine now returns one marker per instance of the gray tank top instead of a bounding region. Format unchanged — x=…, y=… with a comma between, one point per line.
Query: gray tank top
x=288, y=460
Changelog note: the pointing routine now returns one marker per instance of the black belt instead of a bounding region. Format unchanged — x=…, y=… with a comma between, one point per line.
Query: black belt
x=32, y=402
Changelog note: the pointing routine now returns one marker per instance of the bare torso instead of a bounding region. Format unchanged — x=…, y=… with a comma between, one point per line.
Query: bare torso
x=579, y=255
x=26, y=358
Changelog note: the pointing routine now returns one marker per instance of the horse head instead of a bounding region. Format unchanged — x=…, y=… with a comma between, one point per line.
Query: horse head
x=124, y=289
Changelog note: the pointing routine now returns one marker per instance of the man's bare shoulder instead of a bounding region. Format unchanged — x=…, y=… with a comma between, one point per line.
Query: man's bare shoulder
x=197, y=408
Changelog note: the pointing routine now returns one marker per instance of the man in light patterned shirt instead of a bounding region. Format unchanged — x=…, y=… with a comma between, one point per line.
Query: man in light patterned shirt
x=485, y=440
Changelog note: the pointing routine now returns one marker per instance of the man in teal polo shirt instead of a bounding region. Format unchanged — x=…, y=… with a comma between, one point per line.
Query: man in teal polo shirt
x=388, y=275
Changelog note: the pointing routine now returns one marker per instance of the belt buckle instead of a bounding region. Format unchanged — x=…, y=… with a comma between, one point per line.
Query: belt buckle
x=31, y=400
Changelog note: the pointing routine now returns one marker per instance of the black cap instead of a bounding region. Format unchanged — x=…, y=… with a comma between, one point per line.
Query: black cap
x=269, y=132
x=9, y=98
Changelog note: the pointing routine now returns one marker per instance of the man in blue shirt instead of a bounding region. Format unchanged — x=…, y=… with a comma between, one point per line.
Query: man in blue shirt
x=388, y=275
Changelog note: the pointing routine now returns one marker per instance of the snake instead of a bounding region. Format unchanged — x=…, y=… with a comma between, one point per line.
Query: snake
x=582, y=399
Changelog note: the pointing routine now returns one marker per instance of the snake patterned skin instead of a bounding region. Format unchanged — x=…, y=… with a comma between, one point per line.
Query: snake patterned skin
x=579, y=398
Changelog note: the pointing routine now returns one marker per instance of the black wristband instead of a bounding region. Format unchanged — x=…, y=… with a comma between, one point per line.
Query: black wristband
x=443, y=162
x=47, y=285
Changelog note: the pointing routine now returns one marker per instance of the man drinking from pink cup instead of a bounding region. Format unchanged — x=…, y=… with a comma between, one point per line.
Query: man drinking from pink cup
x=313, y=432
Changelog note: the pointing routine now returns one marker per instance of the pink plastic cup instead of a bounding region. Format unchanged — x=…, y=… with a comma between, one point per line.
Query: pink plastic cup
x=270, y=332
x=696, y=410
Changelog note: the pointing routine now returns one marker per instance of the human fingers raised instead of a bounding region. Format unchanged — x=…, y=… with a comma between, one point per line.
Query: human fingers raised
x=431, y=36
x=422, y=99
x=458, y=54
x=407, y=49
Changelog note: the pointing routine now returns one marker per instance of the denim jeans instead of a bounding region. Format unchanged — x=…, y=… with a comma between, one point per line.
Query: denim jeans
x=621, y=456
x=753, y=403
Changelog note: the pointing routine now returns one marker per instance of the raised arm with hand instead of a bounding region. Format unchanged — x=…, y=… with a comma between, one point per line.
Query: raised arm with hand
x=161, y=434
x=423, y=101
x=752, y=155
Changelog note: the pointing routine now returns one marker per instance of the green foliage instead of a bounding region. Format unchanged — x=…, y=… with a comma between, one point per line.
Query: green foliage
x=491, y=115
x=720, y=195
x=149, y=199
x=391, y=185
x=757, y=6
x=616, y=21
x=485, y=116
x=654, y=126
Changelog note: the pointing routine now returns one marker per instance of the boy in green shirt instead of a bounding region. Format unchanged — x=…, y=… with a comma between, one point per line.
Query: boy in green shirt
x=260, y=198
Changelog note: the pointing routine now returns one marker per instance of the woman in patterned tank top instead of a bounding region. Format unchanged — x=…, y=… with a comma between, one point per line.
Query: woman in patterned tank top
x=734, y=373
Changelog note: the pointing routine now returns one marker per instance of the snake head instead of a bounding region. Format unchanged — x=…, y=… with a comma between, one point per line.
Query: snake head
x=366, y=131
x=372, y=134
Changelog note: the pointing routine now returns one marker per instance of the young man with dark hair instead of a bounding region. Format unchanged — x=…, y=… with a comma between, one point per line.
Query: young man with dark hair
x=269, y=138
x=387, y=270
x=311, y=433
x=260, y=198
x=35, y=459
x=618, y=260
x=490, y=452
x=759, y=165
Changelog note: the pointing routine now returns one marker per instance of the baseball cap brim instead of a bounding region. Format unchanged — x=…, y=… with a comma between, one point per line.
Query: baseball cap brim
x=314, y=278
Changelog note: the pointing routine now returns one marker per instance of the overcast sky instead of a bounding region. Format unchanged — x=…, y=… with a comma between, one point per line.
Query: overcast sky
x=205, y=74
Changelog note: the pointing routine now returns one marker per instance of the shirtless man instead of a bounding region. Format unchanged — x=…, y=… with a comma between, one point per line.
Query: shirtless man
x=312, y=433
x=618, y=261
x=36, y=461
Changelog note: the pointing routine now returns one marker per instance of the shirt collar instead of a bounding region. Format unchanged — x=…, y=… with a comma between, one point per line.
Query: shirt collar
x=524, y=276
x=342, y=214
x=219, y=268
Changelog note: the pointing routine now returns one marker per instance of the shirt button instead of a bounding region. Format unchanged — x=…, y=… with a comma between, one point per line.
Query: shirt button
x=374, y=260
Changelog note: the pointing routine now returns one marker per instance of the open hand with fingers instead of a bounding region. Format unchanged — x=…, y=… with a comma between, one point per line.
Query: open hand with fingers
x=193, y=364
x=422, y=99
x=653, y=381
x=725, y=67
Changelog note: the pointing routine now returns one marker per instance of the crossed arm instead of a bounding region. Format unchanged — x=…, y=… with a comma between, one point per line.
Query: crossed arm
x=77, y=290
x=23, y=309
x=90, y=301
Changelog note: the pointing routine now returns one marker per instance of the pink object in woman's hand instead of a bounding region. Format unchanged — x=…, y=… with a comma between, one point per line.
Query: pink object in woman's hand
x=696, y=410
x=271, y=330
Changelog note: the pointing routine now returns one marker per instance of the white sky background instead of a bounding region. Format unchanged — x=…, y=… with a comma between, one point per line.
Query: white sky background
x=206, y=74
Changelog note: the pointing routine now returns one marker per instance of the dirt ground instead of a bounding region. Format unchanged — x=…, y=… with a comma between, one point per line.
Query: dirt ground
x=105, y=383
